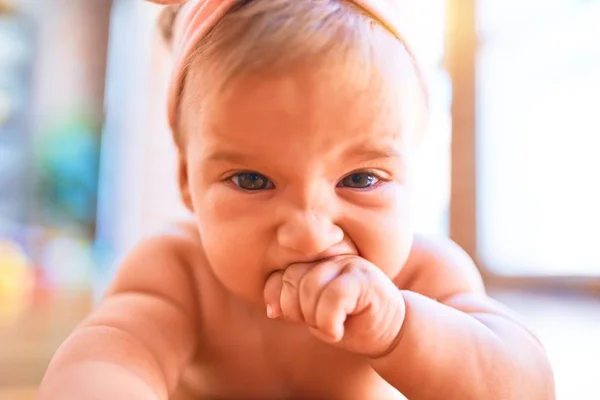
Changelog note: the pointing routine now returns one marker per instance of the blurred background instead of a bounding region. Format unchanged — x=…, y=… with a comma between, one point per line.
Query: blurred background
x=510, y=168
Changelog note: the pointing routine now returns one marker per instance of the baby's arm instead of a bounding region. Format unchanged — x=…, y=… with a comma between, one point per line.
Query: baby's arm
x=135, y=345
x=464, y=345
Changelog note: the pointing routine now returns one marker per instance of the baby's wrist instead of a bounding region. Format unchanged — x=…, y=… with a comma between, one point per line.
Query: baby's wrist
x=395, y=328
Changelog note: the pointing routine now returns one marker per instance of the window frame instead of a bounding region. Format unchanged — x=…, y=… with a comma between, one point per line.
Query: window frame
x=461, y=62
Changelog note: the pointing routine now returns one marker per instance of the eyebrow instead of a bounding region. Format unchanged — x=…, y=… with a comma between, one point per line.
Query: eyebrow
x=226, y=156
x=363, y=151
x=371, y=151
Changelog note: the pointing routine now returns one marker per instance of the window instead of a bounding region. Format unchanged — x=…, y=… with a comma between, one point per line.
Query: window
x=538, y=137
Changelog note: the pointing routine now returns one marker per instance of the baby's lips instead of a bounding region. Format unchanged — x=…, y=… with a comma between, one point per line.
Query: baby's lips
x=272, y=294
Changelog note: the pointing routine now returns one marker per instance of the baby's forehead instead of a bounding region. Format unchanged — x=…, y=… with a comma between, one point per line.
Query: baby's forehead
x=294, y=120
x=310, y=98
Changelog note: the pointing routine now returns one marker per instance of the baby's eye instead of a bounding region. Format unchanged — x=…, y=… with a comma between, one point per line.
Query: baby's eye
x=359, y=180
x=251, y=181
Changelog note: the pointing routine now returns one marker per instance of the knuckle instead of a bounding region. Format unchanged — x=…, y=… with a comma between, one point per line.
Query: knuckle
x=291, y=277
x=289, y=309
x=289, y=283
x=335, y=293
x=350, y=264
x=315, y=278
x=357, y=268
x=307, y=285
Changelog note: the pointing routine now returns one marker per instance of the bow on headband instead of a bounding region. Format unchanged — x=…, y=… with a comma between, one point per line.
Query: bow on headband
x=197, y=17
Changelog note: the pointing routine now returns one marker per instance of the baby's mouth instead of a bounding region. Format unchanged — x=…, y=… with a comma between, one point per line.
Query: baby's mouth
x=321, y=259
x=315, y=261
x=344, y=249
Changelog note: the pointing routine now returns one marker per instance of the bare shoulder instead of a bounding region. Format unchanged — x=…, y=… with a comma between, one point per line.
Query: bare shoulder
x=148, y=319
x=439, y=269
x=162, y=265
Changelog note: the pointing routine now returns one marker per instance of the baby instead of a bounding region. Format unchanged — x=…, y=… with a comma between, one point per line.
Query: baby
x=297, y=124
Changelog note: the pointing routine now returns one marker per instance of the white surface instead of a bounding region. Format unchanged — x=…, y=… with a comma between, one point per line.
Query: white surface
x=569, y=328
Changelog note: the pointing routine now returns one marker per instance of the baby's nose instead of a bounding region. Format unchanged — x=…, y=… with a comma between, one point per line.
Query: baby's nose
x=309, y=233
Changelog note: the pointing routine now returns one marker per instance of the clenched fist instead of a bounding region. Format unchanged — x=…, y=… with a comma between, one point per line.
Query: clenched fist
x=345, y=300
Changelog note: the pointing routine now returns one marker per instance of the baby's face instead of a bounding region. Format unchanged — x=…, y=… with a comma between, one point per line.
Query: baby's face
x=297, y=168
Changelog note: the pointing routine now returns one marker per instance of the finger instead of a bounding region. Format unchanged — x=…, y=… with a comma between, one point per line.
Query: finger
x=272, y=294
x=312, y=285
x=339, y=299
x=290, y=299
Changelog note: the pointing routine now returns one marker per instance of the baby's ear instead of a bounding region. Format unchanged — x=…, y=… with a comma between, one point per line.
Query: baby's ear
x=184, y=186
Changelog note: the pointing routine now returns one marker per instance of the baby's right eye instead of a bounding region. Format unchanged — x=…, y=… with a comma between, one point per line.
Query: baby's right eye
x=252, y=181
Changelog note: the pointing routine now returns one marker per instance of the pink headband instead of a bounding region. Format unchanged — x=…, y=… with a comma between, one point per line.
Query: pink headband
x=197, y=17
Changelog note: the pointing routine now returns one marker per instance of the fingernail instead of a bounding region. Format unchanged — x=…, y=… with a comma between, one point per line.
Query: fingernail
x=269, y=311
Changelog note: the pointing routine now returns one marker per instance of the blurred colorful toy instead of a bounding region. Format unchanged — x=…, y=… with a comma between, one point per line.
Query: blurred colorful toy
x=17, y=279
x=67, y=161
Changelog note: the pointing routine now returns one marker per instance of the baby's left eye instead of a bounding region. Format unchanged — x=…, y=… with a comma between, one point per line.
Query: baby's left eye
x=359, y=180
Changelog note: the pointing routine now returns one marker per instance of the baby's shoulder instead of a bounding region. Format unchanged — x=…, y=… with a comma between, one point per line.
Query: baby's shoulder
x=180, y=238
x=162, y=264
x=176, y=243
x=438, y=268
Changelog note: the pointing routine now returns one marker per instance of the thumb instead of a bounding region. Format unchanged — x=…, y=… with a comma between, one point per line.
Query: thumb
x=272, y=294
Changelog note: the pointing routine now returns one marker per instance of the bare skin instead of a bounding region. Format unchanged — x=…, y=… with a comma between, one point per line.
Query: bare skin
x=301, y=211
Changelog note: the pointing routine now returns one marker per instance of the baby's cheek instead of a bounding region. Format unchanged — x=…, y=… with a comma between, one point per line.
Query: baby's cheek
x=237, y=265
x=235, y=249
x=384, y=236
x=381, y=199
x=225, y=203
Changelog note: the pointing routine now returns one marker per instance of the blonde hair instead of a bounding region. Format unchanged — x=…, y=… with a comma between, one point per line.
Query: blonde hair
x=267, y=36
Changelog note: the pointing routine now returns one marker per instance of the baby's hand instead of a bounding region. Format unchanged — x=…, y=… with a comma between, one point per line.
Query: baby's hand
x=343, y=300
